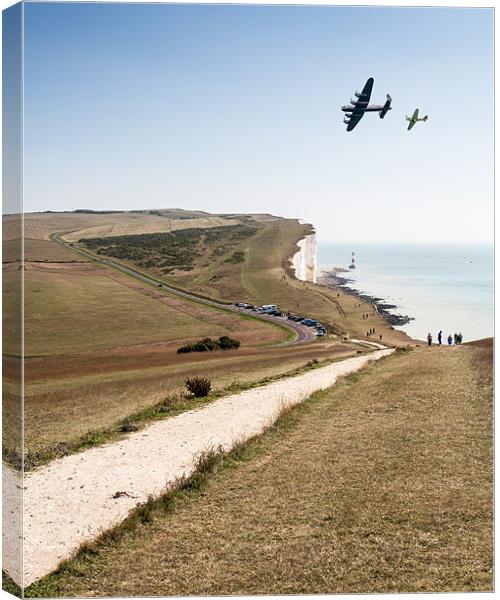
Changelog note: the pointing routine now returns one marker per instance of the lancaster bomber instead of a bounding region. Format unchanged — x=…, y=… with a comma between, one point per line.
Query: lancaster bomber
x=357, y=108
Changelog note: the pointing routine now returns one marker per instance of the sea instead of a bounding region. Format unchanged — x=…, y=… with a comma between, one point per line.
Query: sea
x=443, y=286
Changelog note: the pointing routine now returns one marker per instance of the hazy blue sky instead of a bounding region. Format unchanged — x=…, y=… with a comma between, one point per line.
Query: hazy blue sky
x=237, y=109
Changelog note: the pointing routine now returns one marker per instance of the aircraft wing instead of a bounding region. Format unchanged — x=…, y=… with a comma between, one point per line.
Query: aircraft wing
x=361, y=103
x=354, y=118
x=415, y=115
x=365, y=95
x=411, y=123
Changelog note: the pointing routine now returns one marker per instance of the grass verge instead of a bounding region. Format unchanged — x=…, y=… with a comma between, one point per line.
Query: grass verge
x=380, y=484
x=208, y=463
x=170, y=406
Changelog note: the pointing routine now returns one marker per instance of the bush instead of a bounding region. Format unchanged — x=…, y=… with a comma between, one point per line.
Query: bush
x=226, y=343
x=209, y=345
x=198, y=386
x=236, y=258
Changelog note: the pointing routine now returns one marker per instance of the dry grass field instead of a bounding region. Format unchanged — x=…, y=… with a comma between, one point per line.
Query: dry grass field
x=60, y=407
x=264, y=276
x=101, y=346
x=82, y=307
x=77, y=224
x=380, y=484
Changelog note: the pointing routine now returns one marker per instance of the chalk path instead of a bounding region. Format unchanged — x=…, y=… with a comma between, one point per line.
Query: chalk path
x=71, y=500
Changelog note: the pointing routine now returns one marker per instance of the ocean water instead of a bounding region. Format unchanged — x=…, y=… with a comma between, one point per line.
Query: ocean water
x=447, y=286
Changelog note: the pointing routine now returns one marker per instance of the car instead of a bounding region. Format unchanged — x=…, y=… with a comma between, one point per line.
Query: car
x=320, y=332
x=310, y=322
x=241, y=305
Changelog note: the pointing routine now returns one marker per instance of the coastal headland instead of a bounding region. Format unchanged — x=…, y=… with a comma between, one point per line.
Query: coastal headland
x=110, y=299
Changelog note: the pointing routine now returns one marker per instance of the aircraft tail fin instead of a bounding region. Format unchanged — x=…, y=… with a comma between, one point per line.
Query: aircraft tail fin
x=425, y=118
x=387, y=106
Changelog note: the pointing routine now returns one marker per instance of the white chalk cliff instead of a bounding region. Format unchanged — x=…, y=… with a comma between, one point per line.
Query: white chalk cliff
x=304, y=261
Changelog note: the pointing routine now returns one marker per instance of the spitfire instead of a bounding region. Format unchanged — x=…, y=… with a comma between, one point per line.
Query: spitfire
x=414, y=119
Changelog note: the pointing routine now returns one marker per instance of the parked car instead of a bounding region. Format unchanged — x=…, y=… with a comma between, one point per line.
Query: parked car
x=311, y=322
x=242, y=305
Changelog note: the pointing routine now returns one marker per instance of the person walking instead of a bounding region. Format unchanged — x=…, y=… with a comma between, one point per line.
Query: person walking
x=450, y=340
x=440, y=337
x=459, y=338
x=429, y=339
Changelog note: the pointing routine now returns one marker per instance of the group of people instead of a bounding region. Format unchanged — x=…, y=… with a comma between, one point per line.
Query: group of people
x=372, y=332
x=457, y=338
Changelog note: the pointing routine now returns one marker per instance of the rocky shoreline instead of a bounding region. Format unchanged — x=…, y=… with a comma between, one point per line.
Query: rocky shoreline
x=383, y=308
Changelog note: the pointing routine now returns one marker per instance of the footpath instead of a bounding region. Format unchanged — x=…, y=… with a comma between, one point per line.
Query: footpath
x=76, y=498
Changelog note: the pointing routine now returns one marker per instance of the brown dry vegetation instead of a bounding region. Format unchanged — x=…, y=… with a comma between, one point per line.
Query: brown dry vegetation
x=101, y=345
x=380, y=484
x=78, y=307
x=265, y=276
x=60, y=409
x=42, y=225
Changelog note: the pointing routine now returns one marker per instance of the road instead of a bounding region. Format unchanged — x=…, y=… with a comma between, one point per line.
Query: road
x=302, y=334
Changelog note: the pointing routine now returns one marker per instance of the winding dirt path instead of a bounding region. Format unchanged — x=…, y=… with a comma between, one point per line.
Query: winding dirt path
x=74, y=499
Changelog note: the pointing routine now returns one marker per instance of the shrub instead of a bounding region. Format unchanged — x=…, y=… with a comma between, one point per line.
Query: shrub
x=185, y=349
x=226, y=343
x=198, y=386
x=209, y=345
x=236, y=258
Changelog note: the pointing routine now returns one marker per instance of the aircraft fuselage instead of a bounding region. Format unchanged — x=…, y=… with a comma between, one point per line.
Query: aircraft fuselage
x=371, y=108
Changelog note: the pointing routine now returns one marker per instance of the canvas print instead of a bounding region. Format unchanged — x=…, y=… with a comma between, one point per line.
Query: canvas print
x=247, y=299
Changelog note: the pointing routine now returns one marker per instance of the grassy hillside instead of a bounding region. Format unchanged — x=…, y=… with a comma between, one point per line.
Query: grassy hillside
x=254, y=268
x=93, y=224
x=180, y=250
x=380, y=484
x=101, y=345
x=81, y=395
x=76, y=308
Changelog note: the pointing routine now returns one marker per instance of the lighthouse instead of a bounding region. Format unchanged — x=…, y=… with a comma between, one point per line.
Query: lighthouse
x=353, y=262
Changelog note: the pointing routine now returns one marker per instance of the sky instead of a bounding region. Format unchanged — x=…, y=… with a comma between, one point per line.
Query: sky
x=237, y=109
